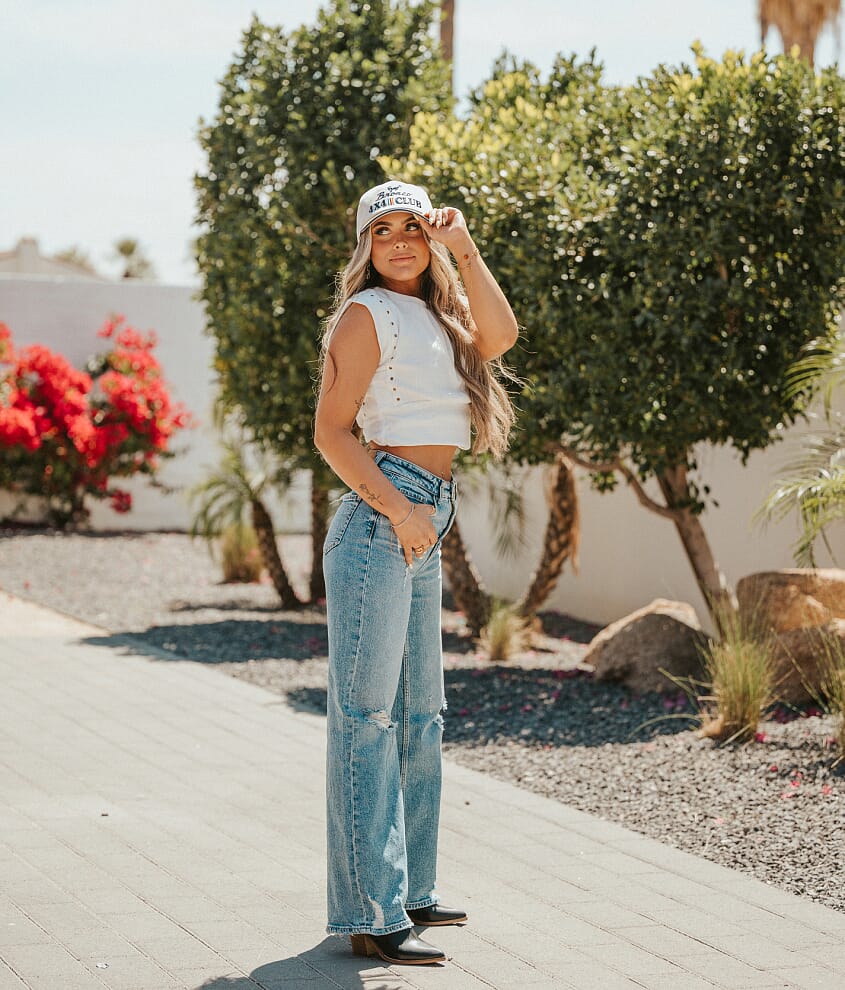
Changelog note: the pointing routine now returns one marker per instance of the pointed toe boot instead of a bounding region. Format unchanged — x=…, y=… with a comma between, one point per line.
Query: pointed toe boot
x=402, y=948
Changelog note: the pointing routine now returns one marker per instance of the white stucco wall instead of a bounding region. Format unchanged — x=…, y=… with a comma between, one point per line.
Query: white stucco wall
x=628, y=555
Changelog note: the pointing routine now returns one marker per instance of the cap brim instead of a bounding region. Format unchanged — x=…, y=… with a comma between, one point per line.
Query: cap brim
x=384, y=213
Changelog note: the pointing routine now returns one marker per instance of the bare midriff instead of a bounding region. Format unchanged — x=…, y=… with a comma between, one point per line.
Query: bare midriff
x=436, y=458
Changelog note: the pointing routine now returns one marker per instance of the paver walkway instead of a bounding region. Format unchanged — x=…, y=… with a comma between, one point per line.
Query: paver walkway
x=161, y=826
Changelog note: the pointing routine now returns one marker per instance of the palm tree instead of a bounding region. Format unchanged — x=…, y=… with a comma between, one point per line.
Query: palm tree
x=226, y=496
x=447, y=29
x=563, y=531
x=507, y=519
x=465, y=582
x=135, y=262
x=800, y=22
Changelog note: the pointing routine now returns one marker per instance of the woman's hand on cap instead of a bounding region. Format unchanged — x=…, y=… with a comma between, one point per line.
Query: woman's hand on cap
x=447, y=225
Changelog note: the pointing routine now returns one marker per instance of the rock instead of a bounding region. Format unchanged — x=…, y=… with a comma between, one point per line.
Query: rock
x=802, y=607
x=792, y=599
x=664, y=634
x=800, y=657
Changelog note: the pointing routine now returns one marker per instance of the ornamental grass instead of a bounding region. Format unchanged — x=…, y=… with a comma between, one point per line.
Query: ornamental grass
x=740, y=671
x=506, y=633
x=240, y=554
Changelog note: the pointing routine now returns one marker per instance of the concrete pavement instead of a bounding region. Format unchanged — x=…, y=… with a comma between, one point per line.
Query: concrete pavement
x=162, y=826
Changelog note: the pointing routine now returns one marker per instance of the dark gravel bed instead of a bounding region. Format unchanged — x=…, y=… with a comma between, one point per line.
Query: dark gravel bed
x=774, y=808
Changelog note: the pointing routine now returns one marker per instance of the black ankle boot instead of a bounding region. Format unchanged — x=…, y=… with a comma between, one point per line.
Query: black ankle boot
x=430, y=917
x=402, y=948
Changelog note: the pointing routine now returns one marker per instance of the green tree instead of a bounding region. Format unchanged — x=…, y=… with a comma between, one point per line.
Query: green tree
x=670, y=249
x=303, y=117
x=505, y=162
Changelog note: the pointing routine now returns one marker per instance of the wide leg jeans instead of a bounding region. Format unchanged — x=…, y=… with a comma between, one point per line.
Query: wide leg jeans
x=385, y=704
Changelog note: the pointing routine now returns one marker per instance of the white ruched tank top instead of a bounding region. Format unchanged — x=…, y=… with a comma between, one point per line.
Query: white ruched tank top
x=416, y=395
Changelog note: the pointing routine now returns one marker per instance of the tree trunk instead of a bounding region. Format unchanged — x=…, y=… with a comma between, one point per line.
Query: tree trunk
x=799, y=22
x=719, y=596
x=319, y=525
x=464, y=581
x=263, y=526
x=447, y=36
x=561, y=539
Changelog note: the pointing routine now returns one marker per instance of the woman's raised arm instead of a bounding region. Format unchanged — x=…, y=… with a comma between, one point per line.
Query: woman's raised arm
x=496, y=329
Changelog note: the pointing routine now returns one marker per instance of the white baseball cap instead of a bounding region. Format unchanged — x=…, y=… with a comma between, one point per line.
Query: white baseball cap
x=391, y=197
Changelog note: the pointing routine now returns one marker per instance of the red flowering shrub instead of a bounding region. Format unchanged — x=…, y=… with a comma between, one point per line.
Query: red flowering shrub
x=65, y=434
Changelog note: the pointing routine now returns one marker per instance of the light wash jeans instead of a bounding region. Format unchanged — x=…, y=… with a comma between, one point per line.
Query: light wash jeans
x=385, y=701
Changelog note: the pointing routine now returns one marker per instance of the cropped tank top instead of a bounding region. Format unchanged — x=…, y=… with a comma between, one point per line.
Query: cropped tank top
x=416, y=395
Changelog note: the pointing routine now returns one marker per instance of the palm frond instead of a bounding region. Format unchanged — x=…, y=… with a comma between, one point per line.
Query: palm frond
x=814, y=487
x=507, y=503
x=821, y=365
x=504, y=494
x=224, y=497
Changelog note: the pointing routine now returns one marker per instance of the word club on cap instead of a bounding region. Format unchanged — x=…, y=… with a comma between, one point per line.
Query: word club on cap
x=390, y=198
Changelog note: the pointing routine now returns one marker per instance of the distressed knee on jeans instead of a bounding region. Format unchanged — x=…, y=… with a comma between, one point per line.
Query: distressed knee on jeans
x=379, y=718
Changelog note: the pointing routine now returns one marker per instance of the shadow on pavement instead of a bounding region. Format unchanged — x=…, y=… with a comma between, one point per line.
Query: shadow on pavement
x=227, y=641
x=314, y=968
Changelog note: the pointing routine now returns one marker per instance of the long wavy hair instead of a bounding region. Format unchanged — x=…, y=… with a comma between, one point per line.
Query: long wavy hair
x=491, y=411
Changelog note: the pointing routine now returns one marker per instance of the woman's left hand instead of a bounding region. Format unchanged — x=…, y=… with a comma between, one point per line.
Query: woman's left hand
x=447, y=226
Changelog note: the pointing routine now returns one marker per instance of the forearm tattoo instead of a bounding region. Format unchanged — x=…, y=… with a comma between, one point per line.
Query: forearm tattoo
x=370, y=495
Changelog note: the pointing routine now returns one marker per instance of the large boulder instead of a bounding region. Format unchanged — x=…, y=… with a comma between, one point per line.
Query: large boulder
x=664, y=634
x=802, y=608
x=792, y=599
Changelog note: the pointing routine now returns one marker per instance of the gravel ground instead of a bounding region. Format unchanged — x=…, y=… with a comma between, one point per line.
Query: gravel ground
x=774, y=808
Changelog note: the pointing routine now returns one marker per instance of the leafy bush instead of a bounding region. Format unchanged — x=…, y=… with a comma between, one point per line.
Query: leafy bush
x=66, y=434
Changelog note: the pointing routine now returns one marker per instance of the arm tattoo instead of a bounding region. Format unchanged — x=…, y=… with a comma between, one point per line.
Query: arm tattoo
x=370, y=495
x=358, y=404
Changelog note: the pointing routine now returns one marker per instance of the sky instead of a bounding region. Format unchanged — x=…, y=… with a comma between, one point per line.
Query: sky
x=100, y=100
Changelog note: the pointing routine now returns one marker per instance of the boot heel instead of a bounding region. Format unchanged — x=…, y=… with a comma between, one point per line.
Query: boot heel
x=362, y=946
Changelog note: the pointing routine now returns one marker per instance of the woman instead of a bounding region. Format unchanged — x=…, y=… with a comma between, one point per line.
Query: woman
x=404, y=361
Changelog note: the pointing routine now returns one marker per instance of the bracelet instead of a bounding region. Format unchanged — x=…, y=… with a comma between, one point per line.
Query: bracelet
x=469, y=258
x=410, y=513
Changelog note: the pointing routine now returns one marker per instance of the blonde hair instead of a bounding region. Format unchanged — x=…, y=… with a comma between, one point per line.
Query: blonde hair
x=491, y=411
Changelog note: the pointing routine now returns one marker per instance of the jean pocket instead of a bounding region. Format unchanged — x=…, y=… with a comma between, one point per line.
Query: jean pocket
x=342, y=518
x=411, y=491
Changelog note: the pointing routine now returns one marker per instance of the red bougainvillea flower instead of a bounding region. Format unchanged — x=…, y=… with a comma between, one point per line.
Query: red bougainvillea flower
x=6, y=349
x=64, y=433
x=121, y=501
